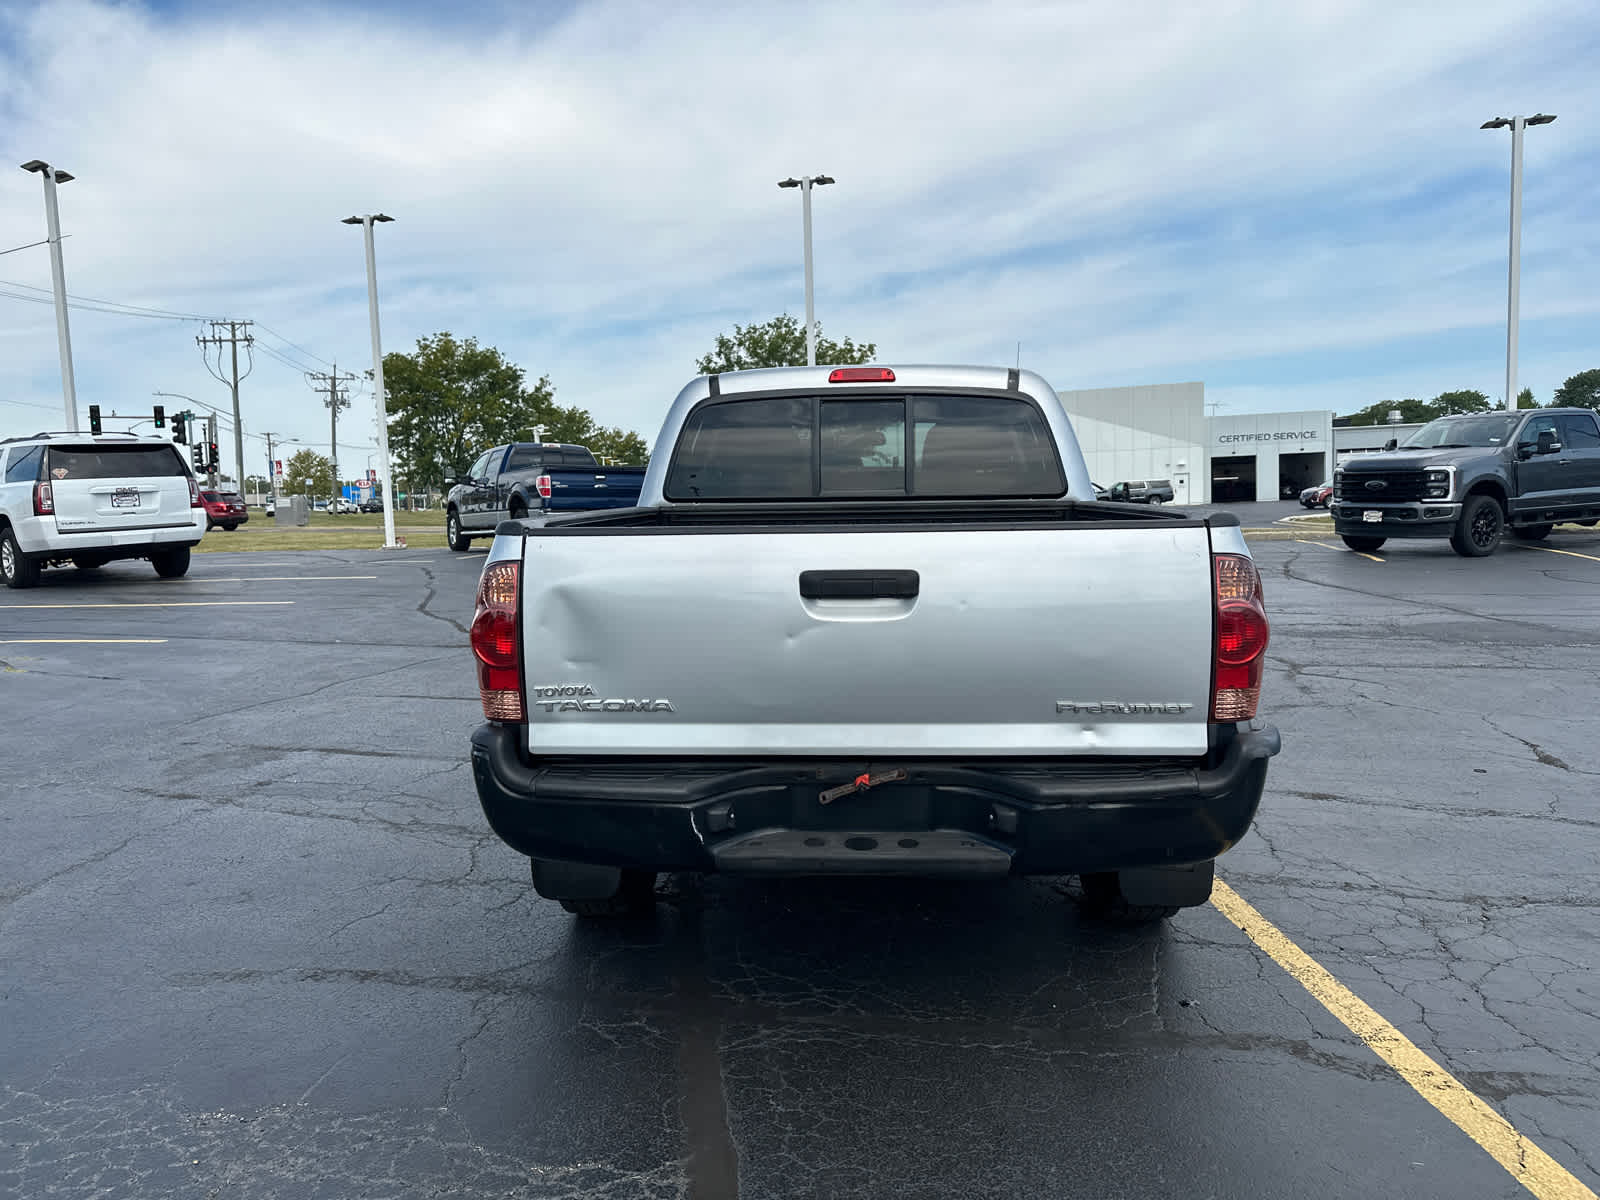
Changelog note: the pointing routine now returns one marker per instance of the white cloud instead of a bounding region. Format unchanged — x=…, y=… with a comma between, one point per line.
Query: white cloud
x=1125, y=189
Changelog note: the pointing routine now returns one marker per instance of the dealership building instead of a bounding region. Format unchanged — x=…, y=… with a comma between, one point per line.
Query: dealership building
x=1162, y=431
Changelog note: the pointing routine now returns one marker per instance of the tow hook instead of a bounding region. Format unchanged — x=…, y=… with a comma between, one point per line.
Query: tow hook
x=860, y=784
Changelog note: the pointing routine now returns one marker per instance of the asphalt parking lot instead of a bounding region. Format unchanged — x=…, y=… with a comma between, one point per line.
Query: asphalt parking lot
x=257, y=940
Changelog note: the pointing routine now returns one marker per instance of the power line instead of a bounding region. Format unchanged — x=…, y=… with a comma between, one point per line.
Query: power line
x=287, y=342
x=279, y=356
x=116, y=305
x=29, y=246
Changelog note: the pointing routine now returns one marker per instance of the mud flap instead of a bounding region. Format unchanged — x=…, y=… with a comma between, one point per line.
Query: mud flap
x=557, y=880
x=1174, y=887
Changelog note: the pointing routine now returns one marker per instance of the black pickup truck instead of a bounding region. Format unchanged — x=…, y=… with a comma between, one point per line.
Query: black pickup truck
x=527, y=479
x=1470, y=478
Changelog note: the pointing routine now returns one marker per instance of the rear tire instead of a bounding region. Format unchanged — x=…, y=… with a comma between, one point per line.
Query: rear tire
x=171, y=564
x=230, y=526
x=518, y=512
x=1531, y=533
x=1482, y=525
x=16, y=568
x=1363, y=545
x=452, y=532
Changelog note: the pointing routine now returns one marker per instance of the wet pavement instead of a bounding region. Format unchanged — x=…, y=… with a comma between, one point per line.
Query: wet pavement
x=258, y=941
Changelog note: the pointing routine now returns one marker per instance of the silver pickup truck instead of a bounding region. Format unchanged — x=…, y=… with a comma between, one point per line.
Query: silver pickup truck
x=871, y=620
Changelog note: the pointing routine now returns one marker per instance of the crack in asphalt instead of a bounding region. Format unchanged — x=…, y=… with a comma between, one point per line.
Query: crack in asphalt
x=422, y=606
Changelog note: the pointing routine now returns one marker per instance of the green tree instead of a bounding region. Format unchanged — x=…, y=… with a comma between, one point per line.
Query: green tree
x=781, y=342
x=619, y=446
x=1579, y=391
x=451, y=399
x=1411, y=412
x=1525, y=399
x=308, y=464
x=1449, y=404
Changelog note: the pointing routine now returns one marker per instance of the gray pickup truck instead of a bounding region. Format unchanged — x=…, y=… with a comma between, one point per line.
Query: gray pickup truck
x=870, y=620
x=1470, y=478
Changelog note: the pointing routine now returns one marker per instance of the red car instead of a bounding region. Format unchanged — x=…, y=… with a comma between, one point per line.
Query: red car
x=223, y=508
x=1318, y=496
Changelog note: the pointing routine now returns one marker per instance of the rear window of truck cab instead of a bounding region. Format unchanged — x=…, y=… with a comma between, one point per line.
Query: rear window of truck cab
x=877, y=447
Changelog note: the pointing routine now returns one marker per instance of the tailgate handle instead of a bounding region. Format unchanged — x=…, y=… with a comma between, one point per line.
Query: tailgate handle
x=859, y=585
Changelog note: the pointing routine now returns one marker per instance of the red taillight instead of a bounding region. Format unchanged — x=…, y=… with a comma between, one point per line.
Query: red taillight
x=543, y=484
x=861, y=375
x=44, y=500
x=1242, y=632
x=494, y=643
x=194, y=494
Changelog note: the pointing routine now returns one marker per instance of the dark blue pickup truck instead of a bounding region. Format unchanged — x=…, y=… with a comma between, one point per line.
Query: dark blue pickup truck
x=526, y=478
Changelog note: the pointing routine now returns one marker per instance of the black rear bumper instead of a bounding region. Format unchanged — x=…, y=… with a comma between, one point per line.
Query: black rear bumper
x=996, y=817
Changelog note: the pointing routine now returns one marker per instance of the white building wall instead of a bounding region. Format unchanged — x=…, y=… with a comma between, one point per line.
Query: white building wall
x=1266, y=436
x=1152, y=432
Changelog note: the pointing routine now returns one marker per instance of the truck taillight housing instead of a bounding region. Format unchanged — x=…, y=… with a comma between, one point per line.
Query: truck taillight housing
x=44, y=500
x=1240, y=651
x=194, y=494
x=543, y=484
x=495, y=644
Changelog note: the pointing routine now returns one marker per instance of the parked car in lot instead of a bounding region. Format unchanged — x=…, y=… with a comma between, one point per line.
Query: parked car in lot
x=1100, y=493
x=90, y=499
x=1470, y=478
x=871, y=621
x=528, y=479
x=1142, y=491
x=1317, y=496
x=226, y=509
x=375, y=505
x=345, y=505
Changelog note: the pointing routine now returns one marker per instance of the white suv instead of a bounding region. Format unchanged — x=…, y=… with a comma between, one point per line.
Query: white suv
x=87, y=499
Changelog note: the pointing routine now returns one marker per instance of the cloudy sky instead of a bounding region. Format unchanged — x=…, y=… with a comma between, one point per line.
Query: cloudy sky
x=1292, y=203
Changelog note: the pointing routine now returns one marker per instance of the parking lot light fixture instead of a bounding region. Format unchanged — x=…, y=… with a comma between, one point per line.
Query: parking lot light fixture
x=58, y=279
x=805, y=183
x=1514, y=270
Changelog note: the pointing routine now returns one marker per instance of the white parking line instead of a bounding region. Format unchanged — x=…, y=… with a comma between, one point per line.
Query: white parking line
x=82, y=641
x=1335, y=549
x=161, y=604
x=279, y=578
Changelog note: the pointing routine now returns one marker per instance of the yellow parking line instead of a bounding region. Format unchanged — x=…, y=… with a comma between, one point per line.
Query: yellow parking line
x=1568, y=553
x=82, y=641
x=161, y=604
x=1528, y=1165
x=1325, y=546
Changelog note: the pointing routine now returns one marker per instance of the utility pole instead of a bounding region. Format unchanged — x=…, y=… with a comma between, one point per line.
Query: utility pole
x=232, y=341
x=338, y=397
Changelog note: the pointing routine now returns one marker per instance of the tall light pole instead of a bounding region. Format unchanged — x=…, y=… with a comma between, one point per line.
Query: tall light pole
x=1514, y=282
x=366, y=223
x=58, y=276
x=805, y=183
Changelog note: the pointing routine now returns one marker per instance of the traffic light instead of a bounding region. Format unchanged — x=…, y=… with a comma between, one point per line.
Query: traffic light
x=160, y=416
x=215, y=461
x=197, y=455
x=94, y=418
x=179, y=433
